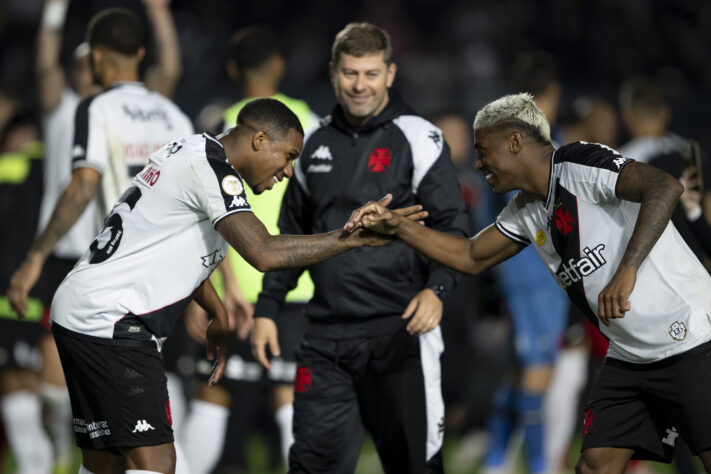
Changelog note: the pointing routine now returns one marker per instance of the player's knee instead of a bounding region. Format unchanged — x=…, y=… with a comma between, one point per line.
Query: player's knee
x=588, y=463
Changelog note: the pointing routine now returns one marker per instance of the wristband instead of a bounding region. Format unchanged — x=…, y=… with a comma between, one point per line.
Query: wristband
x=54, y=14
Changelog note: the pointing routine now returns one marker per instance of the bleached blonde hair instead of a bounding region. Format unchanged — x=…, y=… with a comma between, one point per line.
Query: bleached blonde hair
x=515, y=110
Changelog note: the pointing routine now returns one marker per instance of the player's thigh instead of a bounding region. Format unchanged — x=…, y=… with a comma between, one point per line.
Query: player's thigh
x=603, y=461
x=327, y=427
x=102, y=462
x=618, y=415
x=157, y=458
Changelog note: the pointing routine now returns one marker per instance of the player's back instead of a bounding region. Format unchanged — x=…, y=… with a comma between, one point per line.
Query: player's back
x=118, y=129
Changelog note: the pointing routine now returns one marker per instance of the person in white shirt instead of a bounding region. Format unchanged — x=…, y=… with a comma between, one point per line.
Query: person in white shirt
x=600, y=223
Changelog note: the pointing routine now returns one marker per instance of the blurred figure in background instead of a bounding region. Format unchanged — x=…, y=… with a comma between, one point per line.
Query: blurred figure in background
x=537, y=306
x=256, y=65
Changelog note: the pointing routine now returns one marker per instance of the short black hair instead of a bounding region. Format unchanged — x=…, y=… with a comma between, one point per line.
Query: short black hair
x=251, y=46
x=117, y=29
x=271, y=115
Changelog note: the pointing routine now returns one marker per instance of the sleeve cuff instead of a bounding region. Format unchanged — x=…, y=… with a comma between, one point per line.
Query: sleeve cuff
x=266, y=307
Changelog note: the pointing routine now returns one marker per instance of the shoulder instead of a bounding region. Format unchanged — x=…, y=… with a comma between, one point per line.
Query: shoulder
x=425, y=139
x=593, y=155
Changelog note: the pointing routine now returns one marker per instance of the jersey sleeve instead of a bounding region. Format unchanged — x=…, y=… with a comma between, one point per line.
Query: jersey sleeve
x=91, y=147
x=590, y=170
x=215, y=187
x=510, y=220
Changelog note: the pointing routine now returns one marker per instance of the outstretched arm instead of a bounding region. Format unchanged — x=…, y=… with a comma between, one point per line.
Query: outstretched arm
x=69, y=208
x=50, y=76
x=486, y=249
x=163, y=77
x=658, y=193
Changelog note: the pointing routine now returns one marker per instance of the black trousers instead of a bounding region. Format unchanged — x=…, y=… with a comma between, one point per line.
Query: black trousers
x=389, y=384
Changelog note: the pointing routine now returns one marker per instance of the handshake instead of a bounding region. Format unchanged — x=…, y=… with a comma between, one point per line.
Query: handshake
x=378, y=219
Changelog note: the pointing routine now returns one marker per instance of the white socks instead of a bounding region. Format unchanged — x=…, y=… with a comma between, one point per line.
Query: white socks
x=58, y=421
x=177, y=400
x=284, y=416
x=22, y=415
x=203, y=435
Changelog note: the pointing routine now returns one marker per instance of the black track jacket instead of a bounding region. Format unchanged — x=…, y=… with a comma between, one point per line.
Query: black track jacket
x=341, y=168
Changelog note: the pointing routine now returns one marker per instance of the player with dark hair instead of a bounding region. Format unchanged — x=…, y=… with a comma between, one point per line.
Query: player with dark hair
x=600, y=223
x=256, y=65
x=162, y=240
x=371, y=353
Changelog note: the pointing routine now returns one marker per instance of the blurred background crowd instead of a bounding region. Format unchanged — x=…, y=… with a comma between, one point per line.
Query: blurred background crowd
x=582, y=59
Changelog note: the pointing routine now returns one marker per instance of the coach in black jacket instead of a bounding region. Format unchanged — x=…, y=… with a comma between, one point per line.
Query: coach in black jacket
x=371, y=353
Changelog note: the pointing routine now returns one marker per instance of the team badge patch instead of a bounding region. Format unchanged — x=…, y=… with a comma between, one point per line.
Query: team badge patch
x=677, y=331
x=231, y=185
x=541, y=238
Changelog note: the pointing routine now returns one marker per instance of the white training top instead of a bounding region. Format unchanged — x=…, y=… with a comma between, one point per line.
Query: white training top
x=158, y=245
x=581, y=232
x=58, y=131
x=117, y=130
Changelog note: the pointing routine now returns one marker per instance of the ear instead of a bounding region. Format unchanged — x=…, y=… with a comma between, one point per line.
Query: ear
x=232, y=71
x=141, y=54
x=514, y=142
x=392, y=69
x=278, y=66
x=96, y=55
x=332, y=72
x=260, y=139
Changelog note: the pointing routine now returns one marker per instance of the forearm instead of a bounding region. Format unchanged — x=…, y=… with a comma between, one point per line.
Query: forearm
x=69, y=208
x=447, y=249
x=209, y=300
x=659, y=198
x=164, y=76
x=295, y=251
x=50, y=77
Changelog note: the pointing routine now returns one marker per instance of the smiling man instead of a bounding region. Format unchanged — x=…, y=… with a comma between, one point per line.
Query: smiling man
x=371, y=352
x=600, y=223
x=160, y=243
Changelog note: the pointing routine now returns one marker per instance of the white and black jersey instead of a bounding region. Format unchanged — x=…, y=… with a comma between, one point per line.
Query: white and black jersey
x=158, y=245
x=581, y=232
x=58, y=130
x=117, y=130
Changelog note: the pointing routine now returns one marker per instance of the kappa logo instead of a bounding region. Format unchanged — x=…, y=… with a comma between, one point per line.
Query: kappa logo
x=238, y=201
x=670, y=438
x=379, y=160
x=303, y=379
x=142, y=426
x=320, y=168
x=322, y=153
x=436, y=137
x=619, y=162
x=78, y=151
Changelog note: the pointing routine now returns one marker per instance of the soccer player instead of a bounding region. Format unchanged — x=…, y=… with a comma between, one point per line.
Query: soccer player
x=600, y=223
x=162, y=240
x=59, y=94
x=256, y=64
x=371, y=353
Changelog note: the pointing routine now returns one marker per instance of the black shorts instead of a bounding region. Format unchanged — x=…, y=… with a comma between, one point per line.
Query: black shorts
x=645, y=407
x=118, y=393
x=19, y=344
x=242, y=367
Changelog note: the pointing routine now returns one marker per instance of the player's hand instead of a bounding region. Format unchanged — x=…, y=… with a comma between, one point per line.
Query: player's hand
x=426, y=312
x=613, y=301
x=240, y=312
x=376, y=217
x=196, y=322
x=217, y=347
x=264, y=334
x=22, y=281
x=691, y=197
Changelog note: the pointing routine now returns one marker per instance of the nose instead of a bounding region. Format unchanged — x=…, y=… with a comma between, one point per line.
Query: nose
x=289, y=170
x=359, y=83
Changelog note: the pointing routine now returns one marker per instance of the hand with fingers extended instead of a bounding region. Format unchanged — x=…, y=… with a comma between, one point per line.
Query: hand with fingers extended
x=239, y=311
x=613, y=301
x=376, y=217
x=265, y=334
x=217, y=336
x=424, y=311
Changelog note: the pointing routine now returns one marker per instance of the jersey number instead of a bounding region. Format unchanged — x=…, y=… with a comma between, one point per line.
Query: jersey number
x=107, y=242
